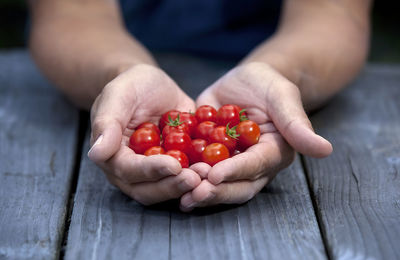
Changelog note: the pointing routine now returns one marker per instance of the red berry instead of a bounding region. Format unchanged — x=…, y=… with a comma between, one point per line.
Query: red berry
x=178, y=141
x=249, y=133
x=180, y=156
x=228, y=114
x=206, y=113
x=173, y=114
x=226, y=136
x=198, y=146
x=142, y=139
x=154, y=151
x=204, y=129
x=150, y=125
x=215, y=153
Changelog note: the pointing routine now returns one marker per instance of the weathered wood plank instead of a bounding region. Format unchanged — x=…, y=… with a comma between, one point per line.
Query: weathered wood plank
x=278, y=223
x=357, y=189
x=106, y=224
x=37, y=148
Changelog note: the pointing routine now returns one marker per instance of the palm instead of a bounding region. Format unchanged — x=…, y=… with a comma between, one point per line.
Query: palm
x=275, y=104
x=232, y=90
x=140, y=94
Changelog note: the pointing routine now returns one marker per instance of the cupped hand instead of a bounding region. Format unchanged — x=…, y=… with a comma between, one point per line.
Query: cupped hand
x=141, y=93
x=275, y=104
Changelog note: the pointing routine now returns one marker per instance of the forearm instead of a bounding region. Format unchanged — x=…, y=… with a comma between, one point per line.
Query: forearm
x=80, y=46
x=319, y=47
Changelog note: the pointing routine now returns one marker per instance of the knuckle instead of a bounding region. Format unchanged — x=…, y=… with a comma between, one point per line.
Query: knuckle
x=172, y=193
x=140, y=198
x=249, y=195
x=98, y=123
x=120, y=174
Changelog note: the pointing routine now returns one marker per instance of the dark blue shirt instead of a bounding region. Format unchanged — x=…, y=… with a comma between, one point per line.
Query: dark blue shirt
x=229, y=28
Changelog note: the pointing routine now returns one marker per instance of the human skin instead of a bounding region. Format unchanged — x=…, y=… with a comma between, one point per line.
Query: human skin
x=84, y=49
x=318, y=48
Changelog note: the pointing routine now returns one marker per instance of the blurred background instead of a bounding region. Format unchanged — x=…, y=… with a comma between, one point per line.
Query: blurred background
x=385, y=42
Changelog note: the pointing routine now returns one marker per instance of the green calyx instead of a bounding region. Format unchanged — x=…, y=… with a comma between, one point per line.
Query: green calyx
x=175, y=122
x=231, y=132
x=242, y=115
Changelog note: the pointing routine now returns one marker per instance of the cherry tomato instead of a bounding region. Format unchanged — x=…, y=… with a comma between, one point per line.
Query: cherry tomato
x=150, y=125
x=190, y=120
x=228, y=114
x=242, y=113
x=198, y=146
x=183, y=128
x=204, y=129
x=215, y=153
x=178, y=141
x=206, y=113
x=238, y=108
x=173, y=114
x=154, y=150
x=142, y=139
x=226, y=136
x=180, y=156
x=249, y=133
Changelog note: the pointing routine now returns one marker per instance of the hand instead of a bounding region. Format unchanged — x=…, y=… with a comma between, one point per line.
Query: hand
x=275, y=104
x=141, y=93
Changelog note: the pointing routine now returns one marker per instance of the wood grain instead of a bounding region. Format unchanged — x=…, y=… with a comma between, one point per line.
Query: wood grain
x=357, y=189
x=37, y=148
x=106, y=224
x=279, y=223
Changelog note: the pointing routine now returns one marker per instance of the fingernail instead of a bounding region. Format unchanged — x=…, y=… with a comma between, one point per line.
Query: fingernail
x=188, y=202
x=167, y=171
x=98, y=141
x=209, y=197
x=184, y=185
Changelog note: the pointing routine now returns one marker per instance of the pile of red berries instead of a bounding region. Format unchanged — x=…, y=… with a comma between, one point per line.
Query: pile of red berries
x=208, y=136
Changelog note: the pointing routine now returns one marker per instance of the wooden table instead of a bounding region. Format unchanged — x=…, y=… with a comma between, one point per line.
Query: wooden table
x=55, y=203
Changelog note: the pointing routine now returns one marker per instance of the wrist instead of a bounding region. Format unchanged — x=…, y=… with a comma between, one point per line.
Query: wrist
x=286, y=66
x=115, y=66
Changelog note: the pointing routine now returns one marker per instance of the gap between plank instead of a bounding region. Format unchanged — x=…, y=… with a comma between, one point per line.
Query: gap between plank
x=315, y=207
x=170, y=236
x=81, y=133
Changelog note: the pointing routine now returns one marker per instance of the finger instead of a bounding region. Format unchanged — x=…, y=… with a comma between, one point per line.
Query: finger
x=172, y=187
x=134, y=168
x=208, y=97
x=201, y=169
x=109, y=116
x=270, y=155
x=286, y=110
x=207, y=194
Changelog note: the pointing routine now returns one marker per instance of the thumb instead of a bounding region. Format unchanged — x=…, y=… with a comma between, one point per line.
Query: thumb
x=109, y=116
x=207, y=97
x=287, y=113
x=106, y=139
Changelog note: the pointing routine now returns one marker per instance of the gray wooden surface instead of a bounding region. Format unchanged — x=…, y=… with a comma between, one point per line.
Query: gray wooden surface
x=346, y=206
x=279, y=224
x=37, y=149
x=357, y=189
